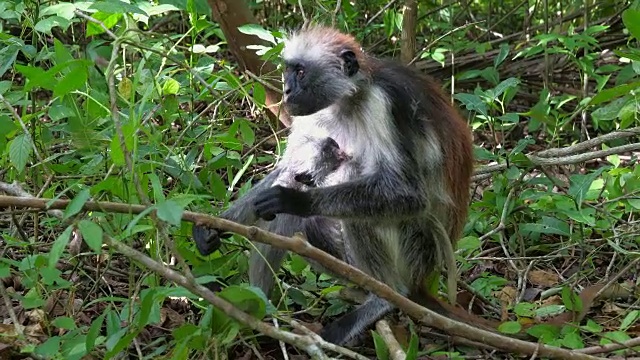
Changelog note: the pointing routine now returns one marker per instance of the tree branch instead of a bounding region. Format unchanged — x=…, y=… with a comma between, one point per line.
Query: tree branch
x=300, y=246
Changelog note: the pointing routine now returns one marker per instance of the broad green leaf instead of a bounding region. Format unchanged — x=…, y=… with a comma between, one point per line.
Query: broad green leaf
x=580, y=184
x=629, y=320
x=5, y=270
x=94, y=332
x=631, y=20
x=504, y=51
x=92, y=234
x=117, y=155
x=45, y=25
x=59, y=245
x=592, y=327
x=412, y=349
x=64, y=322
x=573, y=340
x=571, y=300
x=544, y=332
x=472, y=102
x=109, y=20
x=246, y=298
x=259, y=94
x=76, y=79
x=116, y=6
x=382, y=351
x=49, y=348
x=610, y=111
x=20, y=149
x=615, y=92
x=257, y=30
x=8, y=55
x=63, y=9
x=510, y=327
x=170, y=211
x=548, y=225
x=76, y=204
x=170, y=87
x=504, y=85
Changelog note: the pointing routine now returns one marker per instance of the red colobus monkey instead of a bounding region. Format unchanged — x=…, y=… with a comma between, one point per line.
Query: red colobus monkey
x=414, y=153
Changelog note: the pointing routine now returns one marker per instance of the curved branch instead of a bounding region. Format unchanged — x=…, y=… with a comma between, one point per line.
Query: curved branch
x=300, y=246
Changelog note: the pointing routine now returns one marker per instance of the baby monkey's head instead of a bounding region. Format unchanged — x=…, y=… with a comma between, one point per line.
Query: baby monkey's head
x=326, y=160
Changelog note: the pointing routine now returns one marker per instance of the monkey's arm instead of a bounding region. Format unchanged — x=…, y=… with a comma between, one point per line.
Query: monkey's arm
x=242, y=211
x=378, y=196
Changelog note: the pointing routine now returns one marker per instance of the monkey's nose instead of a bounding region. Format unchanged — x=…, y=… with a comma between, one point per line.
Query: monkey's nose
x=287, y=90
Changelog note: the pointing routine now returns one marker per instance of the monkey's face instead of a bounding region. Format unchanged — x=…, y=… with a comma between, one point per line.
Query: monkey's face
x=311, y=85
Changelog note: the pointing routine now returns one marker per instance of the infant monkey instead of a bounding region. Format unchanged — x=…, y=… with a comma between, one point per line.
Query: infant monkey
x=312, y=163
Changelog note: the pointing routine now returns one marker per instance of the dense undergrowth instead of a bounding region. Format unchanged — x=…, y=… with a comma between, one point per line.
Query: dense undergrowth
x=77, y=79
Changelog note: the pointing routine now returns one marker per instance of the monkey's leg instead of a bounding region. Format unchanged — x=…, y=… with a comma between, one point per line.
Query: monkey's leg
x=265, y=260
x=347, y=329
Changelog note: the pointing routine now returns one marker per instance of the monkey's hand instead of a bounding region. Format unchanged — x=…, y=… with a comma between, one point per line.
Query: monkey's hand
x=278, y=200
x=208, y=240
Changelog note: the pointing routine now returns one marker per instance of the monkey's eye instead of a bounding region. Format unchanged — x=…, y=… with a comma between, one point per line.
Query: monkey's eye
x=299, y=73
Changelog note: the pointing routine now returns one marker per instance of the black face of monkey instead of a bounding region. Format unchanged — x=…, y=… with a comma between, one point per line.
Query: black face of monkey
x=312, y=85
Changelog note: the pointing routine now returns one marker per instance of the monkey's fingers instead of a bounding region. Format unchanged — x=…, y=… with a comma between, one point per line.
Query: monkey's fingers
x=207, y=240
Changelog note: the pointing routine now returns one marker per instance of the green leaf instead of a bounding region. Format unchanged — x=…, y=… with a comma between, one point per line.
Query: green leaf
x=259, y=94
x=615, y=92
x=257, y=30
x=504, y=85
x=579, y=185
x=246, y=298
x=629, y=320
x=76, y=204
x=59, y=245
x=472, y=102
x=116, y=151
x=469, y=243
x=548, y=226
x=544, y=332
x=63, y=9
x=571, y=300
x=5, y=270
x=631, y=20
x=510, y=327
x=170, y=211
x=64, y=322
x=49, y=348
x=75, y=79
x=412, y=349
x=92, y=234
x=504, y=51
x=45, y=25
x=94, y=332
x=610, y=111
x=116, y=6
x=573, y=340
x=592, y=327
x=382, y=351
x=19, y=151
x=109, y=21
x=170, y=87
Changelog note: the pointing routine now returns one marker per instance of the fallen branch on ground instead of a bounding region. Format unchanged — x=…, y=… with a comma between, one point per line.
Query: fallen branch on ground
x=302, y=247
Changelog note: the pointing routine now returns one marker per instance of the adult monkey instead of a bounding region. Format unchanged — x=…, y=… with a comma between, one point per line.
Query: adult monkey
x=415, y=153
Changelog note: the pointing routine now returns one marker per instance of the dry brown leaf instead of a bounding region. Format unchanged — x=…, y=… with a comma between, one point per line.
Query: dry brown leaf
x=543, y=278
x=507, y=295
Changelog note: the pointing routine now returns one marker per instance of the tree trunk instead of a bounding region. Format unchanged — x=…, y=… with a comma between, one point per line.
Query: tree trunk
x=408, y=38
x=231, y=14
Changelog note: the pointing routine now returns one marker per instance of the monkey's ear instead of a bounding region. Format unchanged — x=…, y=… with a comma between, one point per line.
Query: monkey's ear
x=351, y=65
